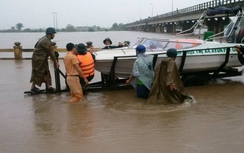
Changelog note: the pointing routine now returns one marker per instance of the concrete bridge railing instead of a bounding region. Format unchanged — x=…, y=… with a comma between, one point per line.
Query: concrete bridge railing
x=197, y=8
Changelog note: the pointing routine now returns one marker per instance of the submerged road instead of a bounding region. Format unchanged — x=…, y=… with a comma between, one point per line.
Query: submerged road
x=117, y=121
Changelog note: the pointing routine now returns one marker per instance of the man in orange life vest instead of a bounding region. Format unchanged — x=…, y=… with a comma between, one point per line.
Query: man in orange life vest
x=87, y=63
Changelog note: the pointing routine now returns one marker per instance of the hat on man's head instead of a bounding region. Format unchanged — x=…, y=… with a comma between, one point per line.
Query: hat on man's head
x=127, y=43
x=107, y=39
x=172, y=52
x=89, y=43
x=50, y=30
x=140, y=49
x=70, y=46
x=81, y=48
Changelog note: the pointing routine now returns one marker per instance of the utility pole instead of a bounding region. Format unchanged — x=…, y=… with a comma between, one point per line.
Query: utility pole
x=54, y=23
x=152, y=8
x=55, y=20
x=139, y=14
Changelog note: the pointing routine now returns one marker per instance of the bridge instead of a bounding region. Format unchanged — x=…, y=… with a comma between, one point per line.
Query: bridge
x=186, y=18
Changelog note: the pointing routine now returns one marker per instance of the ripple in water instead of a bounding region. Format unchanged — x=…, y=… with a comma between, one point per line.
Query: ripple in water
x=127, y=102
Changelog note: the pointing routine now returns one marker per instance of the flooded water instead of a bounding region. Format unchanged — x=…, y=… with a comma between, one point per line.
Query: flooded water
x=116, y=121
x=28, y=40
x=113, y=121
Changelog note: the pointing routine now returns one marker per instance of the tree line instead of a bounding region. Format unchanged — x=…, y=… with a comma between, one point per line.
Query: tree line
x=69, y=28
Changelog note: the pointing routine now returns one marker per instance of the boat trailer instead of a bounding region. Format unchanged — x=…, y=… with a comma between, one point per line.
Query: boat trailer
x=111, y=82
x=201, y=77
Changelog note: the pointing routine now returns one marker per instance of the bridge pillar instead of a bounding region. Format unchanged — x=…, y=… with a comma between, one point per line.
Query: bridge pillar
x=170, y=28
x=158, y=28
x=143, y=28
x=173, y=28
x=146, y=28
x=162, y=28
x=210, y=24
x=217, y=24
x=139, y=28
x=187, y=25
x=154, y=28
x=149, y=28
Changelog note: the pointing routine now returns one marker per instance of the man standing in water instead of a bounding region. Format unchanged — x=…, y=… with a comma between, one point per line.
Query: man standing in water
x=142, y=73
x=86, y=63
x=40, y=69
x=73, y=72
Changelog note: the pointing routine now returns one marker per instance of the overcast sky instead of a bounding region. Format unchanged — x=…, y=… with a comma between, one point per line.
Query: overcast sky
x=36, y=14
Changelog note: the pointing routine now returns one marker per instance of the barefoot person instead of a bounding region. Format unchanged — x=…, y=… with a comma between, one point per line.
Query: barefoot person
x=73, y=72
x=40, y=69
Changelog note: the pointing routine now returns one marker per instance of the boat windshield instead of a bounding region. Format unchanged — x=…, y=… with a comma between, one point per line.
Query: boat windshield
x=164, y=44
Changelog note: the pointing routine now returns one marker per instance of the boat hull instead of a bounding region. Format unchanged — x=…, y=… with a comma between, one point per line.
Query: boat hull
x=193, y=64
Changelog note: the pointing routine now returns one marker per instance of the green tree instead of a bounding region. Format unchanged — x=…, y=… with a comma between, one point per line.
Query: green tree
x=121, y=26
x=70, y=28
x=91, y=29
x=115, y=26
x=19, y=26
x=28, y=30
x=12, y=28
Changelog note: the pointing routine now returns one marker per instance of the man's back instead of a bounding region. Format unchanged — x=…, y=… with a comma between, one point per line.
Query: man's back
x=69, y=60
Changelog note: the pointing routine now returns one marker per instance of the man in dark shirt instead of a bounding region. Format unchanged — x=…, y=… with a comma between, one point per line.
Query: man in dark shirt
x=108, y=44
x=240, y=51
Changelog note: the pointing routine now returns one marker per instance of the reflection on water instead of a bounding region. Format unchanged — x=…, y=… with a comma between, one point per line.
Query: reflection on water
x=117, y=121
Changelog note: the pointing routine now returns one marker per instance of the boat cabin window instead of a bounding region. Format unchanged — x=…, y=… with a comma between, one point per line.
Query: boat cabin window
x=150, y=44
x=154, y=44
x=158, y=44
x=180, y=45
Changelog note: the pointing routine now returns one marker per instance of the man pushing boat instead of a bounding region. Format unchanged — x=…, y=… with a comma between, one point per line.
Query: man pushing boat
x=167, y=86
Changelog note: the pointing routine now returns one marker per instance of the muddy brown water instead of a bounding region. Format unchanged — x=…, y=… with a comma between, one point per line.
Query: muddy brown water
x=116, y=121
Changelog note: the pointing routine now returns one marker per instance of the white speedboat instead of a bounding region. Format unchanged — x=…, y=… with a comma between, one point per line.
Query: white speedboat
x=194, y=56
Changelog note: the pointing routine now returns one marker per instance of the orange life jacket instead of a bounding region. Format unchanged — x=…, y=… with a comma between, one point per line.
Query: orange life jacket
x=86, y=64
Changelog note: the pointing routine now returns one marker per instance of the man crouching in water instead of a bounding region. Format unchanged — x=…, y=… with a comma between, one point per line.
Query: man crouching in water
x=167, y=85
x=73, y=72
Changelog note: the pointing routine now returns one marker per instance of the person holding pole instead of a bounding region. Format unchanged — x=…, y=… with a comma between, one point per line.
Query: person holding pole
x=40, y=69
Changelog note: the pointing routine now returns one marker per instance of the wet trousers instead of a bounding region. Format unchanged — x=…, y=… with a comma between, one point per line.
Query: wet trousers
x=75, y=87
